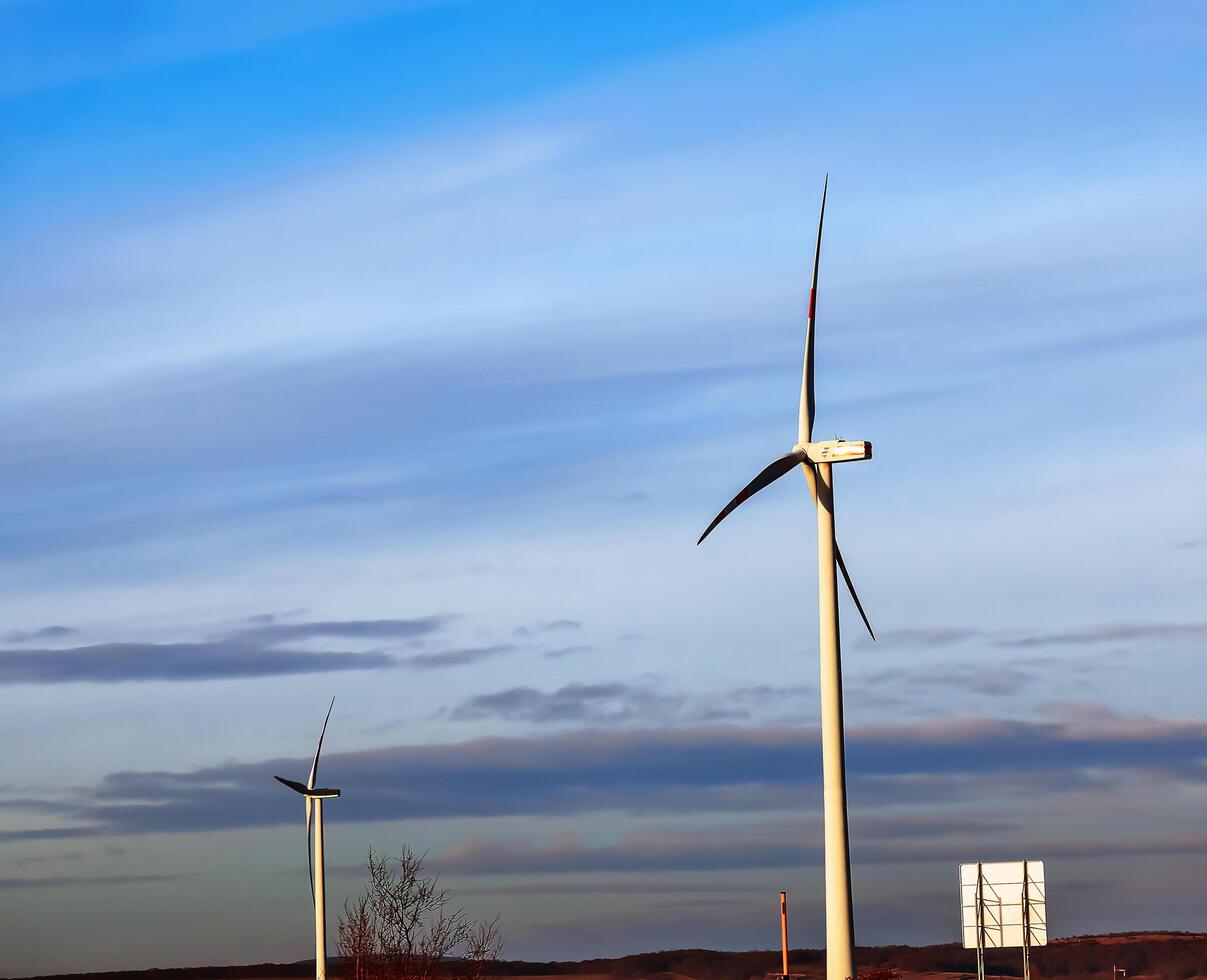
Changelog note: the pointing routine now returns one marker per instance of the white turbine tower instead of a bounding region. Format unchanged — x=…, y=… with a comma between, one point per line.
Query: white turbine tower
x=314, y=827
x=815, y=460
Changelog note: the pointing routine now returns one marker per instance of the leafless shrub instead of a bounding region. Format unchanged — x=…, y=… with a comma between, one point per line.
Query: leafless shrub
x=406, y=927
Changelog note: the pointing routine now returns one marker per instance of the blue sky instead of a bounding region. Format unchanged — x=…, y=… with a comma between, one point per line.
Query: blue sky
x=400, y=352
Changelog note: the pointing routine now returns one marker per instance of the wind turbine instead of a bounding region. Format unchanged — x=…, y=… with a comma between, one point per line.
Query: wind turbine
x=314, y=828
x=815, y=460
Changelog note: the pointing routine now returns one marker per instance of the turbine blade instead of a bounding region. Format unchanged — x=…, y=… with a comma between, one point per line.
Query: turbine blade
x=769, y=475
x=310, y=845
x=811, y=480
x=808, y=405
x=846, y=577
x=314, y=766
x=293, y=784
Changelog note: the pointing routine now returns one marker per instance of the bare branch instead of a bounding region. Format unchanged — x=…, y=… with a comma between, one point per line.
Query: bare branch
x=406, y=927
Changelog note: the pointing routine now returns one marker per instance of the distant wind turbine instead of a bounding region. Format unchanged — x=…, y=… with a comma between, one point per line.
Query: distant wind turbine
x=314, y=828
x=815, y=460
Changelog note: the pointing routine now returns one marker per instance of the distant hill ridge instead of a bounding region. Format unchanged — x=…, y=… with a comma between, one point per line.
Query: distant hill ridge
x=1158, y=954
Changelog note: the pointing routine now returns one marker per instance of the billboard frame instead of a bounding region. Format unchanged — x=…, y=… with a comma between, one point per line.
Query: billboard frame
x=1013, y=885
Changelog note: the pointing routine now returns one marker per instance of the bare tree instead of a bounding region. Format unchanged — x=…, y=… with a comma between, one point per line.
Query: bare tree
x=355, y=941
x=406, y=927
x=483, y=949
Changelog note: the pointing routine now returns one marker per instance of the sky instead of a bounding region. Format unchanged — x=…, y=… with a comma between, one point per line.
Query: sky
x=400, y=351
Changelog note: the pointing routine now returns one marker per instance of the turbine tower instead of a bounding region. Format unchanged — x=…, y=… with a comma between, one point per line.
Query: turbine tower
x=314, y=828
x=815, y=460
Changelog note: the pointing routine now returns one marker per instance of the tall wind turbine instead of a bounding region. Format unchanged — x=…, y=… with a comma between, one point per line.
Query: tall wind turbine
x=314, y=829
x=815, y=460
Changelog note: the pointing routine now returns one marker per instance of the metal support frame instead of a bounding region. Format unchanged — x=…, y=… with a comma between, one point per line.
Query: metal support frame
x=1026, y=923
x=980, y=922
x=982, y=925
x=784, y=932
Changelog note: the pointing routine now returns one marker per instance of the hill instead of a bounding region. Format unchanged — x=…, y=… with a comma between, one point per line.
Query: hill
x=1145, y=956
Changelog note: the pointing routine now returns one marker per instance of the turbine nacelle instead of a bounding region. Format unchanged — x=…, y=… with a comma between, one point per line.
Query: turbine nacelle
x=834, y=451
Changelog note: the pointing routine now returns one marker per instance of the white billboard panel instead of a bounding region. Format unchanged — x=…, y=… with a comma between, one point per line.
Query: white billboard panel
x=1000, y=885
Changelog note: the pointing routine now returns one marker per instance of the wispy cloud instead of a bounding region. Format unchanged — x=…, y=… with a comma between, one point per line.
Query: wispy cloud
x=580, y=703
x=82, y=881
x=987, y=679
x=549, y=626
x=246, y=653
x=112, y=663
x=33, y=859
x=1093, y=634
x=1109, y=633
x=925, y=638
x=347, y=629
x=738, y=846
x=683, y=852
x=567, y=651
x=622, y=703
x=132, y=42
x=45, y=633
x=453, y=658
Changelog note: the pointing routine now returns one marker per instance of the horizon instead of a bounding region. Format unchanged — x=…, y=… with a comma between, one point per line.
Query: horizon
x=1140, y=936
x=400, y=352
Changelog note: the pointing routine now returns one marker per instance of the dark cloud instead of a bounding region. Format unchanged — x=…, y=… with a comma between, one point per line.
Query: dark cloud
x=271, y=632
x=664, y=770
x=45, y=633
x=571, y=772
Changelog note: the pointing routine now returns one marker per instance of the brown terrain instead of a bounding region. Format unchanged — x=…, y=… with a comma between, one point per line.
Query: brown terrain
x=1145, y=956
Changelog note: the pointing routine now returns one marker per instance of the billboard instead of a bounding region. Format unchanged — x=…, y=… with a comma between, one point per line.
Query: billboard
x=1006, y=902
